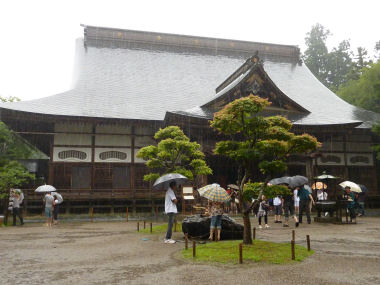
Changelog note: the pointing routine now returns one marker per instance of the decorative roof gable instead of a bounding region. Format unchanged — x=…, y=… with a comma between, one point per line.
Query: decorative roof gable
x=251, y=78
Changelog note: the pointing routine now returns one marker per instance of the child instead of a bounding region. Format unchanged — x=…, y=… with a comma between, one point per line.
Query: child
x=263, y=211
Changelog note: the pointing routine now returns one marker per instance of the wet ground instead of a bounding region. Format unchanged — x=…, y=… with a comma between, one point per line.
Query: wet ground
x=113, y=253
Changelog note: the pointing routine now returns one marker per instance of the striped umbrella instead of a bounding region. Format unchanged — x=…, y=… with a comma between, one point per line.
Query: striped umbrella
x=214, y=192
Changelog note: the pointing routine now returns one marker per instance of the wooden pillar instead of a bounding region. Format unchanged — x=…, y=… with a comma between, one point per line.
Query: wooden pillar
x=346, y=174
x=133, y=170
x=93, y=157
x=51, y=165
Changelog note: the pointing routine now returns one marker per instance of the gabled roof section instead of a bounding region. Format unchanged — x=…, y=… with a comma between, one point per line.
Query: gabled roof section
x=251, y=78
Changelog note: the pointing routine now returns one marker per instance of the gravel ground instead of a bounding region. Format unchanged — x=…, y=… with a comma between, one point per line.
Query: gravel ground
x=113, y=253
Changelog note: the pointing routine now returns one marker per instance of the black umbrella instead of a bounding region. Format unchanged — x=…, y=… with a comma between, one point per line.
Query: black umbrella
x=280, y=180
x=163, y=182
x=297, y=181
x=363, y=188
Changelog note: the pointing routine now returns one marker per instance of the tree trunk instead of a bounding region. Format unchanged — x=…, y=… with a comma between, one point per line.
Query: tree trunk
x=247, y=236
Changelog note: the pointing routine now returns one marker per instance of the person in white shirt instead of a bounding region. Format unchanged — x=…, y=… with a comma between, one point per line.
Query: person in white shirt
x=296, y=201
x=277, y=203
x=170, y=210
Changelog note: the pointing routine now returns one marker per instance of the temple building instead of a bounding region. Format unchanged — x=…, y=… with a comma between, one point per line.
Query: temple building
x=128, y=84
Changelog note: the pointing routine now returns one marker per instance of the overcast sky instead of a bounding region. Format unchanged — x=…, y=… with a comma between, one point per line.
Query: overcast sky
x=38, y=37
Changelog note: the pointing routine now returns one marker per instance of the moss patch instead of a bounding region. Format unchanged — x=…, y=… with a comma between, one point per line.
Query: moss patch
x=259, y=251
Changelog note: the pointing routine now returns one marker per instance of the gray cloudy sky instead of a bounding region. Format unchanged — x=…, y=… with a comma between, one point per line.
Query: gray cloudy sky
x=38, y=37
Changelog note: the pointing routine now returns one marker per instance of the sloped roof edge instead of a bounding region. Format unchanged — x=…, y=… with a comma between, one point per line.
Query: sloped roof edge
x=106, y=37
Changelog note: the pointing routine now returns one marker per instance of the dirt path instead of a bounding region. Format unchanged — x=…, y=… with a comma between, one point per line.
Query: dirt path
x=113, y=253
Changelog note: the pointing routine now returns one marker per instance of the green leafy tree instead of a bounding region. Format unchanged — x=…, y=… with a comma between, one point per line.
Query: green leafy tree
x=316, y=53
x=364, y=92
x=174, y=152
x=12, y=173
x=339, y=65
x=361, y=61
x=257, y=143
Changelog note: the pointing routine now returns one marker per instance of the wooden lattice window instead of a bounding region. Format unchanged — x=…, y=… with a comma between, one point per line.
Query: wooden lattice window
x=113, y=154
x=65, y=154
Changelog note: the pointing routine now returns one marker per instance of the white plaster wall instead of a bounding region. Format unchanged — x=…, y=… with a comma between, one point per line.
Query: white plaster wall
x=109, y=140
x=56, y=150
x=141, y=141
x=73, y=127
x=72, y=139
x=113, y=129
x=127, y=151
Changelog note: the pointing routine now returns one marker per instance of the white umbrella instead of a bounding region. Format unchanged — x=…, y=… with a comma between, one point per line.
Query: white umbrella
x=45, y=189
x=354, y=187
x=59, y=197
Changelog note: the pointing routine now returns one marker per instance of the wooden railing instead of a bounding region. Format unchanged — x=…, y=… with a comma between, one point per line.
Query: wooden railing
x=94, y=194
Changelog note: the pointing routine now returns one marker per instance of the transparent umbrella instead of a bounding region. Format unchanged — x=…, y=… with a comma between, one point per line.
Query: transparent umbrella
x=45, y=189
x=163, y=182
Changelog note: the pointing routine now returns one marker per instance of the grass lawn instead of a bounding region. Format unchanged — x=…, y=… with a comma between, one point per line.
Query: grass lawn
x=159, y=229
x=260, y=251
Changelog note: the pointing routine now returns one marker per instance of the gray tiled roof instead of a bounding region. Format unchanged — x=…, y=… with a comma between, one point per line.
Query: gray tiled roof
x=120, y=78
x=301, y=86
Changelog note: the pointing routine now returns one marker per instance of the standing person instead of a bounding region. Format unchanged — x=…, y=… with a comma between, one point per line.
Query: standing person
x=277, y=203
x=56, y=209
x=170, y=210
x=305, y=198
x=49, y=203
x=350, y=197
x=296, y=200
x=216, y=211
x=289, y=209
x=263, y=211
x=17, y=200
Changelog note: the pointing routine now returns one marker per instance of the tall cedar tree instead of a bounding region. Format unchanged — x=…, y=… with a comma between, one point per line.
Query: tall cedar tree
x=174, y=152
x=257, y=142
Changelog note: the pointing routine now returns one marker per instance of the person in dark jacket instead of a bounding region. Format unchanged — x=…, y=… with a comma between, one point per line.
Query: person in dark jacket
x=305, y=198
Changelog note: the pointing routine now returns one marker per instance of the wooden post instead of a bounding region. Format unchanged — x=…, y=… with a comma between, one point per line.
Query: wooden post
x=144, y=224
x=151, y=227
x=254, y=233
x=293, y=235
x=186, y=241
x=156, y=214
x=138, y=226
x=194, y=249
x=240, y=253
x=308, y=242
x=293, y=250
x=126, y=215
x=92, y=215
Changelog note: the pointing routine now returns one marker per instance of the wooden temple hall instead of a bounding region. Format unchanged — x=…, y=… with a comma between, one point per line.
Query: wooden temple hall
x=128, y=84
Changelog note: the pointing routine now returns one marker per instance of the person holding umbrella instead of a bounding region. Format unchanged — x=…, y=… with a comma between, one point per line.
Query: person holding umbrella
x=169, y=183
x=305, y=198
x=170, y=210
x=216, y=196
x=49, y=203
x=216, y=211
x=350, y=197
